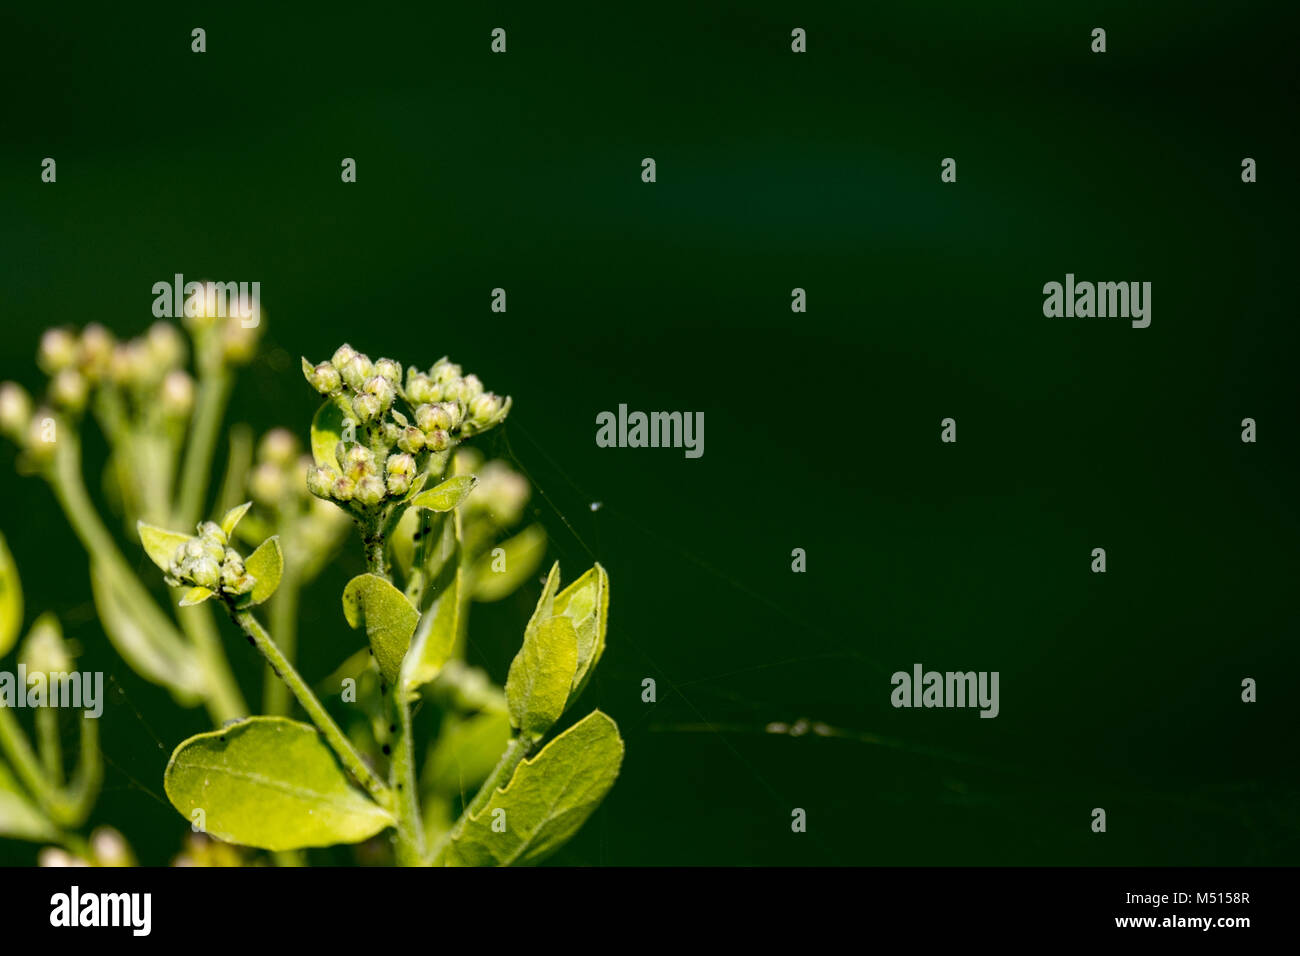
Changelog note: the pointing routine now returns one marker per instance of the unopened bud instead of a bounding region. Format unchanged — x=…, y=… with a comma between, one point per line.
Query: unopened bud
x=15, y=410
x=320, y=482
x=437, y=440
x=357, y=462
x=471, y=388
x=444, y=371
x=411, y=440
x=356, y=370
x=278, y=447
x=58, y=350
x=166, y=345
x=420, y=389
x=96, y=351
x=342, y=356
x=367, y=407
x=370, y=490
x=324, y=377
x=389, y=370
x=177, y=399
x=266, y=484
x=382, y=389
x=344, y=488
x=69, y=389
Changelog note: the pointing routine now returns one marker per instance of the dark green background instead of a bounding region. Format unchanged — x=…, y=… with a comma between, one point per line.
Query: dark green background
x=775, y=170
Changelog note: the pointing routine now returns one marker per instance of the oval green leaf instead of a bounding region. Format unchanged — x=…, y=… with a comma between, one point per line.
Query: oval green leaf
x=266, y=565
x=326, y=433
x=231, y=518
x=159, y=543
x=448, y=495
x=271, y=783
x=389, y=619
x=586, y=603
x=11, y=599
x=196, y=596
x=547, y=801
x=541, y=677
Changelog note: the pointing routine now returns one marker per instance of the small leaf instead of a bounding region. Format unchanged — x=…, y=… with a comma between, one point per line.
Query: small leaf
x=19, y=817
x=272, y=783
x=586, y=603
x=196, y=596
x=326, y=433
x=447, y=495
x=518, y=562
x=231, y=517
x=11, y=599
x=389, y=619
x=416, y=486
x=159, y=543
x=541, y=677
x=547, y=801
x=435, y=642
x=266, y=565
x=466, y=752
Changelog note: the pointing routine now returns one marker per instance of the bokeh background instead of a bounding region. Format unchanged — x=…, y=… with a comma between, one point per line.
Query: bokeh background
x=775, y=170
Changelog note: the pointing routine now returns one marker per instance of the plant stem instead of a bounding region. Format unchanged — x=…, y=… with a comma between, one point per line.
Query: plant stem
x=223, y=699
x=410, y=829
x=258, y=637
x=214, y=389
x=284, y=627
x=20, y=756
x=48, y=745
x=516, y=750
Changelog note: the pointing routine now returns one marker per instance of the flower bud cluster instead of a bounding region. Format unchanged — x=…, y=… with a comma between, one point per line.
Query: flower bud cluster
x=400, y=423
x=208, y=561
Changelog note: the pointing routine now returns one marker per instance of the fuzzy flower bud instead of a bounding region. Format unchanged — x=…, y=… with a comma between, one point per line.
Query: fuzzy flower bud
x=411, y=440
x=370, y=490
x=324, y=377
x=278, y=447
x=343, y=488
x=390, y=371
x=401, y=470
x=166, y=345
x=357, y=462
x=69, y=389
x=320, y=482
x=15, y=410
x=342, y=356
x=177, y=398
x=444, y=371
x=437, y=440
x=58, y=350
x=420, y=389
x=356, y=370
x=382, y=389
x=367, y=407
x=471, y=388
x=96, y=351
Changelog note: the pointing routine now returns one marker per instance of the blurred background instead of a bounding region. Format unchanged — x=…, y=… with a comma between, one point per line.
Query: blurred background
x=775, y=171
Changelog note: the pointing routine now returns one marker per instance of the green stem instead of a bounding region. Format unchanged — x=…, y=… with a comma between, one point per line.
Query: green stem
x=284, y=627
x=223, y=699
x=258, y=637
x=20, y=756
x=516, y=750
x=47, y=743
x=410, y=829
x=213, y=391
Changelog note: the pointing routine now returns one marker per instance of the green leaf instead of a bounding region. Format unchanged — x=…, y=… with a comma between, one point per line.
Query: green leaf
x=586, y=603
x=517, y=562
x=436, y=640
x=196, y=596
x=146, y=640
x=272, y=783
x=447, y=495
x=159, y=543
x=19, y=817
x=547, y=801
x=466, y=753
x=266, y=565
x=541, y=677
x=11, y=599
x=326, y=433
x=389, y=619
x=231, y=517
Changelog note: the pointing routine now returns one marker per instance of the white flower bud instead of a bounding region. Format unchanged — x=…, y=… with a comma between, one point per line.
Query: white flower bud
x=356, y=371
x=344, y=488
x=342, y=356
x=58, y=350
x=96, y=351
x=437, y=440
x=324, y=377
x=15, y=410
x=382, y=389
x=204, y=573
x=420, y=389
x=278, y=447
x=471, y=388
x=166, y=345
x=370, y=490
x=69, y=389
x=177, y=398
x=411, y=440
x=390, y=371
x=320, y=482
x=358, y=462
x=444, y=371
x=367, y=407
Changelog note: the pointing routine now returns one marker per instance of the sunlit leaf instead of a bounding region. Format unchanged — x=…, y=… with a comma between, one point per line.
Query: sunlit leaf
x=196, y=596
x=436, y=640
x=447, y=495
x=231, y=518
x=541, y=677
x=326, y=433
x=547, y=801
x=11, y=599
x=272, y=783
x=266, y=565
x=499, y=575
x=389, y=619
x=159, y=543
x=586, y=603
